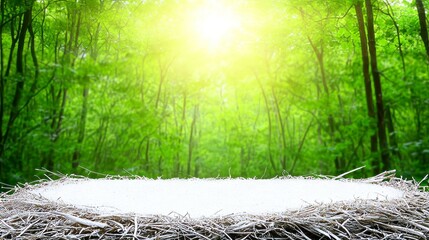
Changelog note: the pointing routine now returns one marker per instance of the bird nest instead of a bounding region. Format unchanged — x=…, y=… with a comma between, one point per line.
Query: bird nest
x=25, y=215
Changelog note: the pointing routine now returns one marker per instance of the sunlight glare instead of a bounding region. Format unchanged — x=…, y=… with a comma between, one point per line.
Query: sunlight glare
x=216, y=25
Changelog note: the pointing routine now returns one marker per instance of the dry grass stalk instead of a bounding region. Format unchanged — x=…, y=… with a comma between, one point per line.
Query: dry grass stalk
x=26, y=216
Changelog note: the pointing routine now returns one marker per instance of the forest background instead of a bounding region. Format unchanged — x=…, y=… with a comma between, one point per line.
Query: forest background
x=200, y=88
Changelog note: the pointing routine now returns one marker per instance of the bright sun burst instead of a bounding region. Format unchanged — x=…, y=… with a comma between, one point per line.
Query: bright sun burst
x=215, y=25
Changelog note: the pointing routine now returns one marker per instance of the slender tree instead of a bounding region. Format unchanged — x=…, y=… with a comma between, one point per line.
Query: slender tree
x=20, y=83
x=282, y=133
x=270, y=127
x=2, y=83
x=85, y=91
x=319, y=52
x=423, y=25
x=382, y=137
x=181, y=133
x=192, y=141
x=367, y=81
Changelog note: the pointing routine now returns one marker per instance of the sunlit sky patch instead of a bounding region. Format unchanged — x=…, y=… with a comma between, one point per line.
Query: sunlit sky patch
x=215, y=24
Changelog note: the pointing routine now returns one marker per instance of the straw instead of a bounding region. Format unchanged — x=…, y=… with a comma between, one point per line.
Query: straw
x=24, y=215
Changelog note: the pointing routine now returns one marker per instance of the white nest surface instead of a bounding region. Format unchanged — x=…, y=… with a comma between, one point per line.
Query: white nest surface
x=209, y=197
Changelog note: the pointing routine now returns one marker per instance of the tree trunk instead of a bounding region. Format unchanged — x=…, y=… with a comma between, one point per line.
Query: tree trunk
x=283, y=158
x=270, y=127
x=319, y=56
x=82, y=124
x=19, y=89
x=14, y=41
x=191, y=142
x=35, y=61
x=181, y=134
x=85, y=93
x=385, y=158
x=392, y=133
x=390, y=14
x=59, y=100
x=146, y=164
x=84, y=109
x=99, y=145
x=319, y=52
x=423, y=26
x=367, y=82
x=163, y=70
x=301, y=144
x=2, y=83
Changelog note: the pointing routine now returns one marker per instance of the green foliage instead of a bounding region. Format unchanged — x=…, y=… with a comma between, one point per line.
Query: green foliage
x=130, y=88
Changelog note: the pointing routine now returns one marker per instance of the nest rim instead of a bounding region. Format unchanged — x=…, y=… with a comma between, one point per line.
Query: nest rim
x=25, y=216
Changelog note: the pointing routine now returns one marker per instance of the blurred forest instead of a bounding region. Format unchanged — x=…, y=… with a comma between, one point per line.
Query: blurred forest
x=264, y=88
